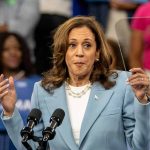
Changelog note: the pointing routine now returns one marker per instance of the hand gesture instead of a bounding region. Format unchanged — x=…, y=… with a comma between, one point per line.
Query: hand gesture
x=140, y=83
x=7, y=95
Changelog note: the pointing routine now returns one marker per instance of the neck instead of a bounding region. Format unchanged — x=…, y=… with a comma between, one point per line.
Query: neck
x=16, y=74
x=78, y=81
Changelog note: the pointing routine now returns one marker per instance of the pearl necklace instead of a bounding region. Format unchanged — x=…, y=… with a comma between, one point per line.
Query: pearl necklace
x=77, y=94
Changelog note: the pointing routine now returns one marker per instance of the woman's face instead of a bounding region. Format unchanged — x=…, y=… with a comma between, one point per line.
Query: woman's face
x=11, y=55
x=81, y=53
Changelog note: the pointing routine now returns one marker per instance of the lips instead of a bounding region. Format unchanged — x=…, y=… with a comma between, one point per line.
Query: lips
x=79, y=64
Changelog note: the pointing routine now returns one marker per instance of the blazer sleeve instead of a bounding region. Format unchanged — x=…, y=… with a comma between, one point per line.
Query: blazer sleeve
x=14, y=125
x=136, y=119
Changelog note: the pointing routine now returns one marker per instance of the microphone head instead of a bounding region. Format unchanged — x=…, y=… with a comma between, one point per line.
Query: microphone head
x=34, y=115
x=58, y=115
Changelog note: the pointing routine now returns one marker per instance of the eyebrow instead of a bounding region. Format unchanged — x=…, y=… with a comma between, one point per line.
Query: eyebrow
x=87, y=39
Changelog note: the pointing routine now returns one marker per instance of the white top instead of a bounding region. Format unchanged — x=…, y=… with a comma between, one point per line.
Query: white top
x=77, y=107
x=60, y=7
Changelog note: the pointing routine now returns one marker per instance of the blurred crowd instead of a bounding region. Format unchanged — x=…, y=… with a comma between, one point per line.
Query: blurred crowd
x=26, y=37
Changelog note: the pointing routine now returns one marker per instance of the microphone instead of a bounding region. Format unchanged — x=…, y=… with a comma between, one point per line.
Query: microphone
x=55, y=120
x=32, y=120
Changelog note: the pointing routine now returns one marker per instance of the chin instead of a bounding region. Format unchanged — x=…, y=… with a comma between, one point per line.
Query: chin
x=13, y=67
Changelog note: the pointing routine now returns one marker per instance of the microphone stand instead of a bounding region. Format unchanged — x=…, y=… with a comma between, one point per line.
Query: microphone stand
x=49, y=134
x=26, y=145
x=28, y=134
x=42, y=145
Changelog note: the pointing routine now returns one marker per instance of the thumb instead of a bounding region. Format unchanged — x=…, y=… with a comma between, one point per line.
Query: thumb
x=11, y=83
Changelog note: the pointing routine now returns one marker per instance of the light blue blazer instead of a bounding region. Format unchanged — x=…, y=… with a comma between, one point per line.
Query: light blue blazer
x=112, y=117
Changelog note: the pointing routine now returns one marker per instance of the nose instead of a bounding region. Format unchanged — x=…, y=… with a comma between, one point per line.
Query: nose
x=79, y=51
x=12, y=51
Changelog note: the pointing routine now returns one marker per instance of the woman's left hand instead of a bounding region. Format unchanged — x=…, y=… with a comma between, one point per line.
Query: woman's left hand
x=140, y=83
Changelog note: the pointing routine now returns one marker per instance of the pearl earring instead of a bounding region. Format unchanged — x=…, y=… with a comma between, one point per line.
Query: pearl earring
x=97, y=59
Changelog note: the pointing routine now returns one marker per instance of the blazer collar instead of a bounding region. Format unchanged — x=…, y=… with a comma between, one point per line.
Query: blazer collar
x=98, y=100
x=58, y=100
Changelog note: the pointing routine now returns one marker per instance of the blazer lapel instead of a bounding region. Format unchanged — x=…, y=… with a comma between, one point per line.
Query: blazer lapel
x=58, y=100
x=98, y=100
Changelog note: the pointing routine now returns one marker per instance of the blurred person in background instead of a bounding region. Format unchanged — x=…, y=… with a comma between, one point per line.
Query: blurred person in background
x=15, y=61
x=20, y=16
x=139, y=54
x=99, y=9
x=119, y=21
x=53, y=13
x=129, y=6
x=79, y=7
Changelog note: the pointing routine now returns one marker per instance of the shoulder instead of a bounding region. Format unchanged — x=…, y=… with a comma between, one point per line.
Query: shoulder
x=120, y=78
x=144, y=6
x=42, y=91
x=122, y=87
x=141, y=17
x=38, y=86
x=120, y=75
x=97, y=1
x=142, y=10
x=123, y=75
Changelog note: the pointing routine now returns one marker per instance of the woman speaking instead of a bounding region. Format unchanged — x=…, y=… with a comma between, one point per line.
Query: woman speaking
x=103, y=108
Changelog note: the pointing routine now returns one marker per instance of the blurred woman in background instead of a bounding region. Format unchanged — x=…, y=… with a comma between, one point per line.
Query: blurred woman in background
x=14, y=56
x=140, y=38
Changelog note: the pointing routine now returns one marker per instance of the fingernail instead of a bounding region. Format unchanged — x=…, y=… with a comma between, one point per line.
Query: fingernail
x=7, y=85
x=1, y=75
x=127, y=80
x=130, y=70
x=6, y=80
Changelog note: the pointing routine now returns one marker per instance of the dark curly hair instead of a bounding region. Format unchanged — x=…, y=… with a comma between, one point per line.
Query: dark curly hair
x=25, y=64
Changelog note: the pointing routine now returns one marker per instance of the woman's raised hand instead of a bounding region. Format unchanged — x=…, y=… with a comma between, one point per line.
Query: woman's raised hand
x=7, y=95
x=140, y=83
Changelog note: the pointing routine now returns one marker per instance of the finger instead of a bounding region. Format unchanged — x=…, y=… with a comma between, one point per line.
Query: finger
x=137, y=70
x=4, y=88
x=141, y=80
x=2, y=95
x=1, y=77
x=138, y=83
x=11, y=83
x=138, y=73
x=3, y=82
x=138, y=76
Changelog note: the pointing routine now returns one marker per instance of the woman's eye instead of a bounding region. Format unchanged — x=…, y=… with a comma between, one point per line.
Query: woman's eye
x=87, y=45
x=72, y=45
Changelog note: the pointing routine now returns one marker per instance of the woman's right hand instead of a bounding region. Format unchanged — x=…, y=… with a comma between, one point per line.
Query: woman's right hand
x=7, y=95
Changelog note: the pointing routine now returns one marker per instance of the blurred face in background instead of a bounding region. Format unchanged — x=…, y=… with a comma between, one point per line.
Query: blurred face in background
x=11, y=54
